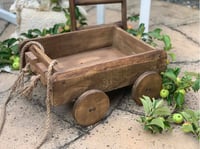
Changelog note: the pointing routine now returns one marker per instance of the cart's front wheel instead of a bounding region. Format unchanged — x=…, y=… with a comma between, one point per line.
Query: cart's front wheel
x=148, y=84
x=90, y=107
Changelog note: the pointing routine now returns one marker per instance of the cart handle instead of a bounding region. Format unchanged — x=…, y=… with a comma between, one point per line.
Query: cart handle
x=73, y=3
x=41, y=54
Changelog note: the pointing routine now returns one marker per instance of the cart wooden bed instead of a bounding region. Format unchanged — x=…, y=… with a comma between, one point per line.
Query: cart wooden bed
x=94, y=61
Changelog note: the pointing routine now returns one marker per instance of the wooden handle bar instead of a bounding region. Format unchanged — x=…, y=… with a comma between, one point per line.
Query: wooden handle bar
x=41, y=55
x=93, y=2
x=73, y=4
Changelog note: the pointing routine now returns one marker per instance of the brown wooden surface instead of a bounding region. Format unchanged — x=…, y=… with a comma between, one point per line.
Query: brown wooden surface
x=90, y=58
x=106, y=76
x=128, y=43
x=104, y=58
x=61, y=45
x=92, y=2
x=90, y=107
x=148, y=84
x=73, y=4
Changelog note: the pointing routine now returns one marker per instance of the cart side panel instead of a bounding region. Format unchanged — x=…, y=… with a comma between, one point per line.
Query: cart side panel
x=68, y=86
x=129, y=44
x=78, y=41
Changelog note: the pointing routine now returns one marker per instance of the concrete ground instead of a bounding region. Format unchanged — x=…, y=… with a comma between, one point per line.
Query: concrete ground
x=24, y=126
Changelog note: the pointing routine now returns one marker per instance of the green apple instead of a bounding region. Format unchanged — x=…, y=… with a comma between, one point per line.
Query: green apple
x=15, y=65
x=182, y=91
x=177, y=118
x=187, y=127
x=164, y=93
x=178, y=80
x=16, y=59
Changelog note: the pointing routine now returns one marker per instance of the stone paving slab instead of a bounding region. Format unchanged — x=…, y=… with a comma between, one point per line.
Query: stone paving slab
x=110, y=16
x=162, y=12
x=10, y=29
x=6, y=81
x=185, y=49
x=24, y=127
x=192, y=31
x=121, y=131
x=3, y=25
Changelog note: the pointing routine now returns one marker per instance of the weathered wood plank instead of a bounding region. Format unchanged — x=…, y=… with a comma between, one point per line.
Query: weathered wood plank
x=73, y=4
x=68, y=86
x=121, y=62
x=93, y=2
x=89, y=58
x=128, y=43
x=74, y=42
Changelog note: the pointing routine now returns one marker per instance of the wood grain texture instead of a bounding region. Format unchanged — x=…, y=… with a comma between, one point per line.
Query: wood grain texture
x=103, y=58
x=74, y=3
x=107, y=76
x=90, y=107
x=74, y=42
x=92, y=2
x=147, y=84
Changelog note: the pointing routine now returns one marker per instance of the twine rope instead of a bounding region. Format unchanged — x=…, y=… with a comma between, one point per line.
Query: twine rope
x=26, y=47
x=48, y=105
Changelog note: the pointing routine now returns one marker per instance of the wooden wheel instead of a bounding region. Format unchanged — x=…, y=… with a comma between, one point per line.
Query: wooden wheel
x=148, y=84
x=90, y=107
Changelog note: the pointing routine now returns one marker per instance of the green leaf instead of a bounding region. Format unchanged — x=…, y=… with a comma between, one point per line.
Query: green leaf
x=140, y=30
x=25, y=35
x=134, y=18
x=37, y=32
x=156, y=34
x=170, y=75
x=5, y=55
x=196, y=85
x=147, y=105
x=159, y=104
x=4, y=62
x=132, y=31
x=15, y=49
x=10, y=41
x=186, y=116
x=77, y=13
x=162, y=111
x=158, y=122
x=191, y=116
x=179, y=98
x=57, y=8
x=172, y=56
x=167, y=42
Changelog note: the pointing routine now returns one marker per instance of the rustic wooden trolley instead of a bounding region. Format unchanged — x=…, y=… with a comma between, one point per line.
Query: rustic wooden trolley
x=94, y=61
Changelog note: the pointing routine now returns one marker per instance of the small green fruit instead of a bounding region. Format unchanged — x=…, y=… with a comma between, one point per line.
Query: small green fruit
x=164, y=93
x=178, y=80
x=187, y=127
x=182, y=91
x=15, y=65
x=12, y=58
x=177, y=118
x=67, y=28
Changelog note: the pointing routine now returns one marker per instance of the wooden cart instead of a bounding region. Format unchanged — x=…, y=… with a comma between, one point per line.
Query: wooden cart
x=94, y=61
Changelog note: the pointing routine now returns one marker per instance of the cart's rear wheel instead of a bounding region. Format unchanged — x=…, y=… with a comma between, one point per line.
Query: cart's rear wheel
x=90, y=107
x=148, y=84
